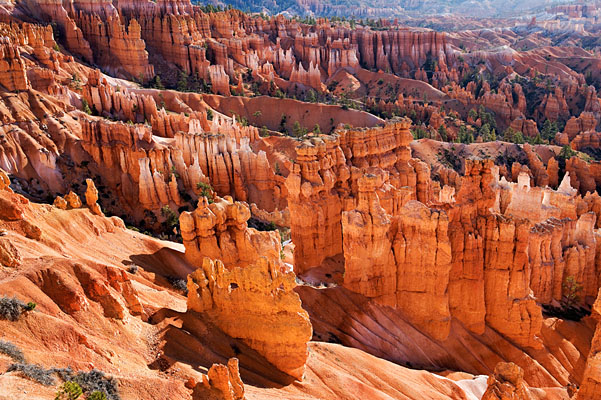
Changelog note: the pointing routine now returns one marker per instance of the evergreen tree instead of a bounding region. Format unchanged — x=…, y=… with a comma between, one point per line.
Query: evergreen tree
x=549, y=130
x=442, y=131
x=297, y=129
x=182, y=83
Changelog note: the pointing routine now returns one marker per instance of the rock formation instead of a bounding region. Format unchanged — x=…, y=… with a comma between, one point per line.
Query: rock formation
x=326, y=171
x=274, y=324
x=591, y=382
x=469, y=238
x=12, y=76
x=221, y=383
x=73, y=200
x=92, y=197
x=219, y=230
x=507, y=383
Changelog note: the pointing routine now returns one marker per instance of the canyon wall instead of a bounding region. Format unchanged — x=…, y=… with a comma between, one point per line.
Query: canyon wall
x=488, y=255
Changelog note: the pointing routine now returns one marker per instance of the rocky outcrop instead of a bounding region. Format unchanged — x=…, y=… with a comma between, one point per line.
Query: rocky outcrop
x=315, y=209
x=153, y=172
x=219, y=230
x=323, y=183
x=60, y=202
x=590, y=387
x=53, y=10
x=592, y=104
x=117, y=102
x=256, y=304
x=222, y=382
x=397, y=270
x=510, y=307
x=92, y=197
x=585, y=140
x=73, y=200
x=507, y=383
x=412, y=48
x=12, y=68
x=119, y=49
x=526, y=126
x=310, y=77
x=584, y=123
x=481, y=250
x=583, y=175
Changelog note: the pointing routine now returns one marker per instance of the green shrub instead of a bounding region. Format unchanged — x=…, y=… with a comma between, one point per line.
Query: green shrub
x=298, y=130
x=566, y=153
x=171, y=218
x=157, y=83
x=206, y=190
x=97, y=396
x=513, y=136
x=442, y=131
x=92, y=382
x=86, y=107
x=69, y=391
x=572, y=290
x=549, y=130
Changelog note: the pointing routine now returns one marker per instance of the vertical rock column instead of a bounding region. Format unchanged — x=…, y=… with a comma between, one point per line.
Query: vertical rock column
x=590, y=388
x=315, y=205
x=407, y=174
x=422, y=252
x=369, y=266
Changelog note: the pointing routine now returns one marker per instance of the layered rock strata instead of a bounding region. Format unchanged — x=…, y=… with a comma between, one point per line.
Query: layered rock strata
x=219, y=230
x=485, y=255
x=274, y=323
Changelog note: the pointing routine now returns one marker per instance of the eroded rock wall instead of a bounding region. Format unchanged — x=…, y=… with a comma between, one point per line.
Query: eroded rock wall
x=256, y=304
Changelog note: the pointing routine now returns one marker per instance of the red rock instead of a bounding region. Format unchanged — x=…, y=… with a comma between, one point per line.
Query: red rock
x=9, y=255
x=74, y=38
x=584, y=123
x=219, y=231
x=590, y=139
x=118, y=49
x=92, y=197
x=591, y=382
x=12, y=67
x=73, y=200
x=223, y=383
x=10, y=207
x=507, y=383
x=274, y=323
x=526, y=126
